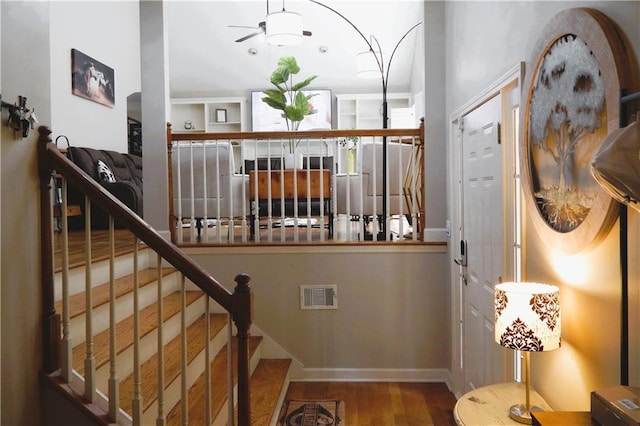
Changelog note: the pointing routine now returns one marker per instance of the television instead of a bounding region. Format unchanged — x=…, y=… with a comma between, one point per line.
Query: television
x=265, y=118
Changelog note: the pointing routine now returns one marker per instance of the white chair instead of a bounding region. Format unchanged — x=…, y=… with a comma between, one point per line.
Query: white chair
x=360, y=194
x=205, y=185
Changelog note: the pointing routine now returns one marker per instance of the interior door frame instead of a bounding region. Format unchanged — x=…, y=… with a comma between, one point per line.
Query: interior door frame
x=509, y=85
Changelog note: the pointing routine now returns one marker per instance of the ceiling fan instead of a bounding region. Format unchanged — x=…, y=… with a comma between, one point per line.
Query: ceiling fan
x=262, y=27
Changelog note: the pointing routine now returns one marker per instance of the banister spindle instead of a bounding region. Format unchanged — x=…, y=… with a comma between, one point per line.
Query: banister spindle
x=114, y=381
x=67, y=344
x=89, y=361
x=161, y=419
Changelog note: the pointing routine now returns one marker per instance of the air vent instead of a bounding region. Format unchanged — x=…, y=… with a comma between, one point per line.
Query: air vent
x=318, y=297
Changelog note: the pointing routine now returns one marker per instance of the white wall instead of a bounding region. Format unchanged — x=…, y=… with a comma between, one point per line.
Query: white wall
x=36, y=42
x=483, y=41
x=108, y=32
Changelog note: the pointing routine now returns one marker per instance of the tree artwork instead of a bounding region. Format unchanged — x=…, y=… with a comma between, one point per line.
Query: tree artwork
x=567, y=104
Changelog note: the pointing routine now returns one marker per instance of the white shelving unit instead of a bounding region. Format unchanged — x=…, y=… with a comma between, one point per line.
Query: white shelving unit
x=364, y=111
x=208, y=114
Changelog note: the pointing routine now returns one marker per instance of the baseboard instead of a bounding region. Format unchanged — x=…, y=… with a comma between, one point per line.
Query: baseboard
x=375, y=375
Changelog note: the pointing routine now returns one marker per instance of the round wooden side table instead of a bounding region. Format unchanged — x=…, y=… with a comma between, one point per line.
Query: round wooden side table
x=489, y=405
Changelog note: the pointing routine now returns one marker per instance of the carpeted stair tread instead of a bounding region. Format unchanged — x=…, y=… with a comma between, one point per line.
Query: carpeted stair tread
x=196, y=394
x=172, y=361
x=124, y=329
x=100, y=296
x=267, y=383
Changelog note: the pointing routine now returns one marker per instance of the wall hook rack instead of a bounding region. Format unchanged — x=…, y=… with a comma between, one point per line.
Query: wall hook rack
x=21, y=119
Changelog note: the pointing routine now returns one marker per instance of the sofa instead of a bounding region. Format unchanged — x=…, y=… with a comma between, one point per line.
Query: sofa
x=118, y=173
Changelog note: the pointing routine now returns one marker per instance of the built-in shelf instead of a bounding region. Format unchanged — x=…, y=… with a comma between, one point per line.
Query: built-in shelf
x=208, y=114
x=364, y=111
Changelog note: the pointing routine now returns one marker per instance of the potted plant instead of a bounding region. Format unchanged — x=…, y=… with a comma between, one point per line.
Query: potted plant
x=288, y=96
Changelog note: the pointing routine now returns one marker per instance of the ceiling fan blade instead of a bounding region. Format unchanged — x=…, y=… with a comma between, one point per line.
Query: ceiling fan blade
x=306, y=33
x=242, y=26
x=241, y=39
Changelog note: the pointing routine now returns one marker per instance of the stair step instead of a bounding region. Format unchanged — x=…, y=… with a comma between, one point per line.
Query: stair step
x=268, y=382
x=123, y=285
x=124, y=330
x=196, y=403
x=172, y=362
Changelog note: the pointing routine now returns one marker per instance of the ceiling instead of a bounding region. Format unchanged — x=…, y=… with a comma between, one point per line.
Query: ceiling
x=205, y=60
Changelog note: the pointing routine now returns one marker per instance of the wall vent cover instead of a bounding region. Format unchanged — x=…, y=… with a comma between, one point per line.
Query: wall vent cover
x=318, y=297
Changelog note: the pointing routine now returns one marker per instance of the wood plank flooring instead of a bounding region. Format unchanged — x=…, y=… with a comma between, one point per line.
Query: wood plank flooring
x=383, y=403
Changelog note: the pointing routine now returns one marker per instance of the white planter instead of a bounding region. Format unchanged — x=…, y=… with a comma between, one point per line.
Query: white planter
x=292, y=160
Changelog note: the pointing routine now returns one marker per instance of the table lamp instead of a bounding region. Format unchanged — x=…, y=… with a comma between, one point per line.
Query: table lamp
x=527, y=319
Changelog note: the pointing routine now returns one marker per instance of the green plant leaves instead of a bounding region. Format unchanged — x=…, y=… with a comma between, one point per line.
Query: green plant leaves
x=287, y=96
x=304, y=83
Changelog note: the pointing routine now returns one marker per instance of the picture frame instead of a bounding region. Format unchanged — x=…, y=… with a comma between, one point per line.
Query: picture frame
x=564, y=121
x=91, y=79
x=221, y=115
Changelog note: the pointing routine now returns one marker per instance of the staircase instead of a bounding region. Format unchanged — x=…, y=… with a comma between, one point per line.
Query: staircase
x=269, y=377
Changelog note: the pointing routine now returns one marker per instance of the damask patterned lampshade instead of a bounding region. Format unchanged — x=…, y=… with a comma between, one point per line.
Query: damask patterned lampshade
x=527, y=316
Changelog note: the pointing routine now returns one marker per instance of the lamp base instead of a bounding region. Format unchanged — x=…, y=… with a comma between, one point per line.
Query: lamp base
x=520, y=414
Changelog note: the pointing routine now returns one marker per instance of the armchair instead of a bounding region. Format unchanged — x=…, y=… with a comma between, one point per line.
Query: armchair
x=205, y=185
x=360, y=194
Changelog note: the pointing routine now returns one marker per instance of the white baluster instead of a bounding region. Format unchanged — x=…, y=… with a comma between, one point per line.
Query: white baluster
x=67, y=351
x=161, y=419
x=114, y=381
x=89, y=361
x=137, y=380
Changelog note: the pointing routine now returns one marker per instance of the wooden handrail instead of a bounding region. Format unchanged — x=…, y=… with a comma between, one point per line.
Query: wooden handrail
x=300, y=134
x=239, y=304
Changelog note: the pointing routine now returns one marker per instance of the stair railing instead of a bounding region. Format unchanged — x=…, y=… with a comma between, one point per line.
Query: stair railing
x=238, y=304
x=224, y=188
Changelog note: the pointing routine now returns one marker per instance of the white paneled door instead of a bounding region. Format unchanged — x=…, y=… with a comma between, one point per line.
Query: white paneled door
x=482, y=235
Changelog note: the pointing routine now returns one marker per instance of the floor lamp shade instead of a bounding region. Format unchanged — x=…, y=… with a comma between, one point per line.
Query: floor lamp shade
x=284, y=28
x=367, y=65
x=527, y=316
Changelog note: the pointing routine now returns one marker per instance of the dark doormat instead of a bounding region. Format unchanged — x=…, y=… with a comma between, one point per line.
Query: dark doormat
x=296, y=412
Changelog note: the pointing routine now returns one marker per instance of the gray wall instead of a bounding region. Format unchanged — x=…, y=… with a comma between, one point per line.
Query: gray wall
x=391, y=303
x=483, y=41
x=21, y=327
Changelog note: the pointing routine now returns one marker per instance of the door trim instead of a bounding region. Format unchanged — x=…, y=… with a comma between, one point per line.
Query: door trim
x=454, y=158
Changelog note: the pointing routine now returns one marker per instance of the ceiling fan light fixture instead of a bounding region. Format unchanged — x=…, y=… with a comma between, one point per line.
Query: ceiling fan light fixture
x=284, y=28
x=367, y=65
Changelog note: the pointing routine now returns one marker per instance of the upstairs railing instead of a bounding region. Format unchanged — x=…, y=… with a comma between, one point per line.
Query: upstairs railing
x=58, y=356
x=321, y=186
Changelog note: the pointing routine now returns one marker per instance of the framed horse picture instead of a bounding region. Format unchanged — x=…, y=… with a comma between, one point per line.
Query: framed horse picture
x=91, y=79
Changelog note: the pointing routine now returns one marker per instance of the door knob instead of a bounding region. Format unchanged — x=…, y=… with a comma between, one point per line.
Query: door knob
x=462, y=260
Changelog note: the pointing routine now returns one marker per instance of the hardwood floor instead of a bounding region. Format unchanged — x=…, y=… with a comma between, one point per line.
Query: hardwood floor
x=382, y=403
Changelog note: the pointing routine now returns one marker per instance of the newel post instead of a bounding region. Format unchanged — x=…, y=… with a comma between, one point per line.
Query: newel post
x=50, y=319
x=242, y=317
